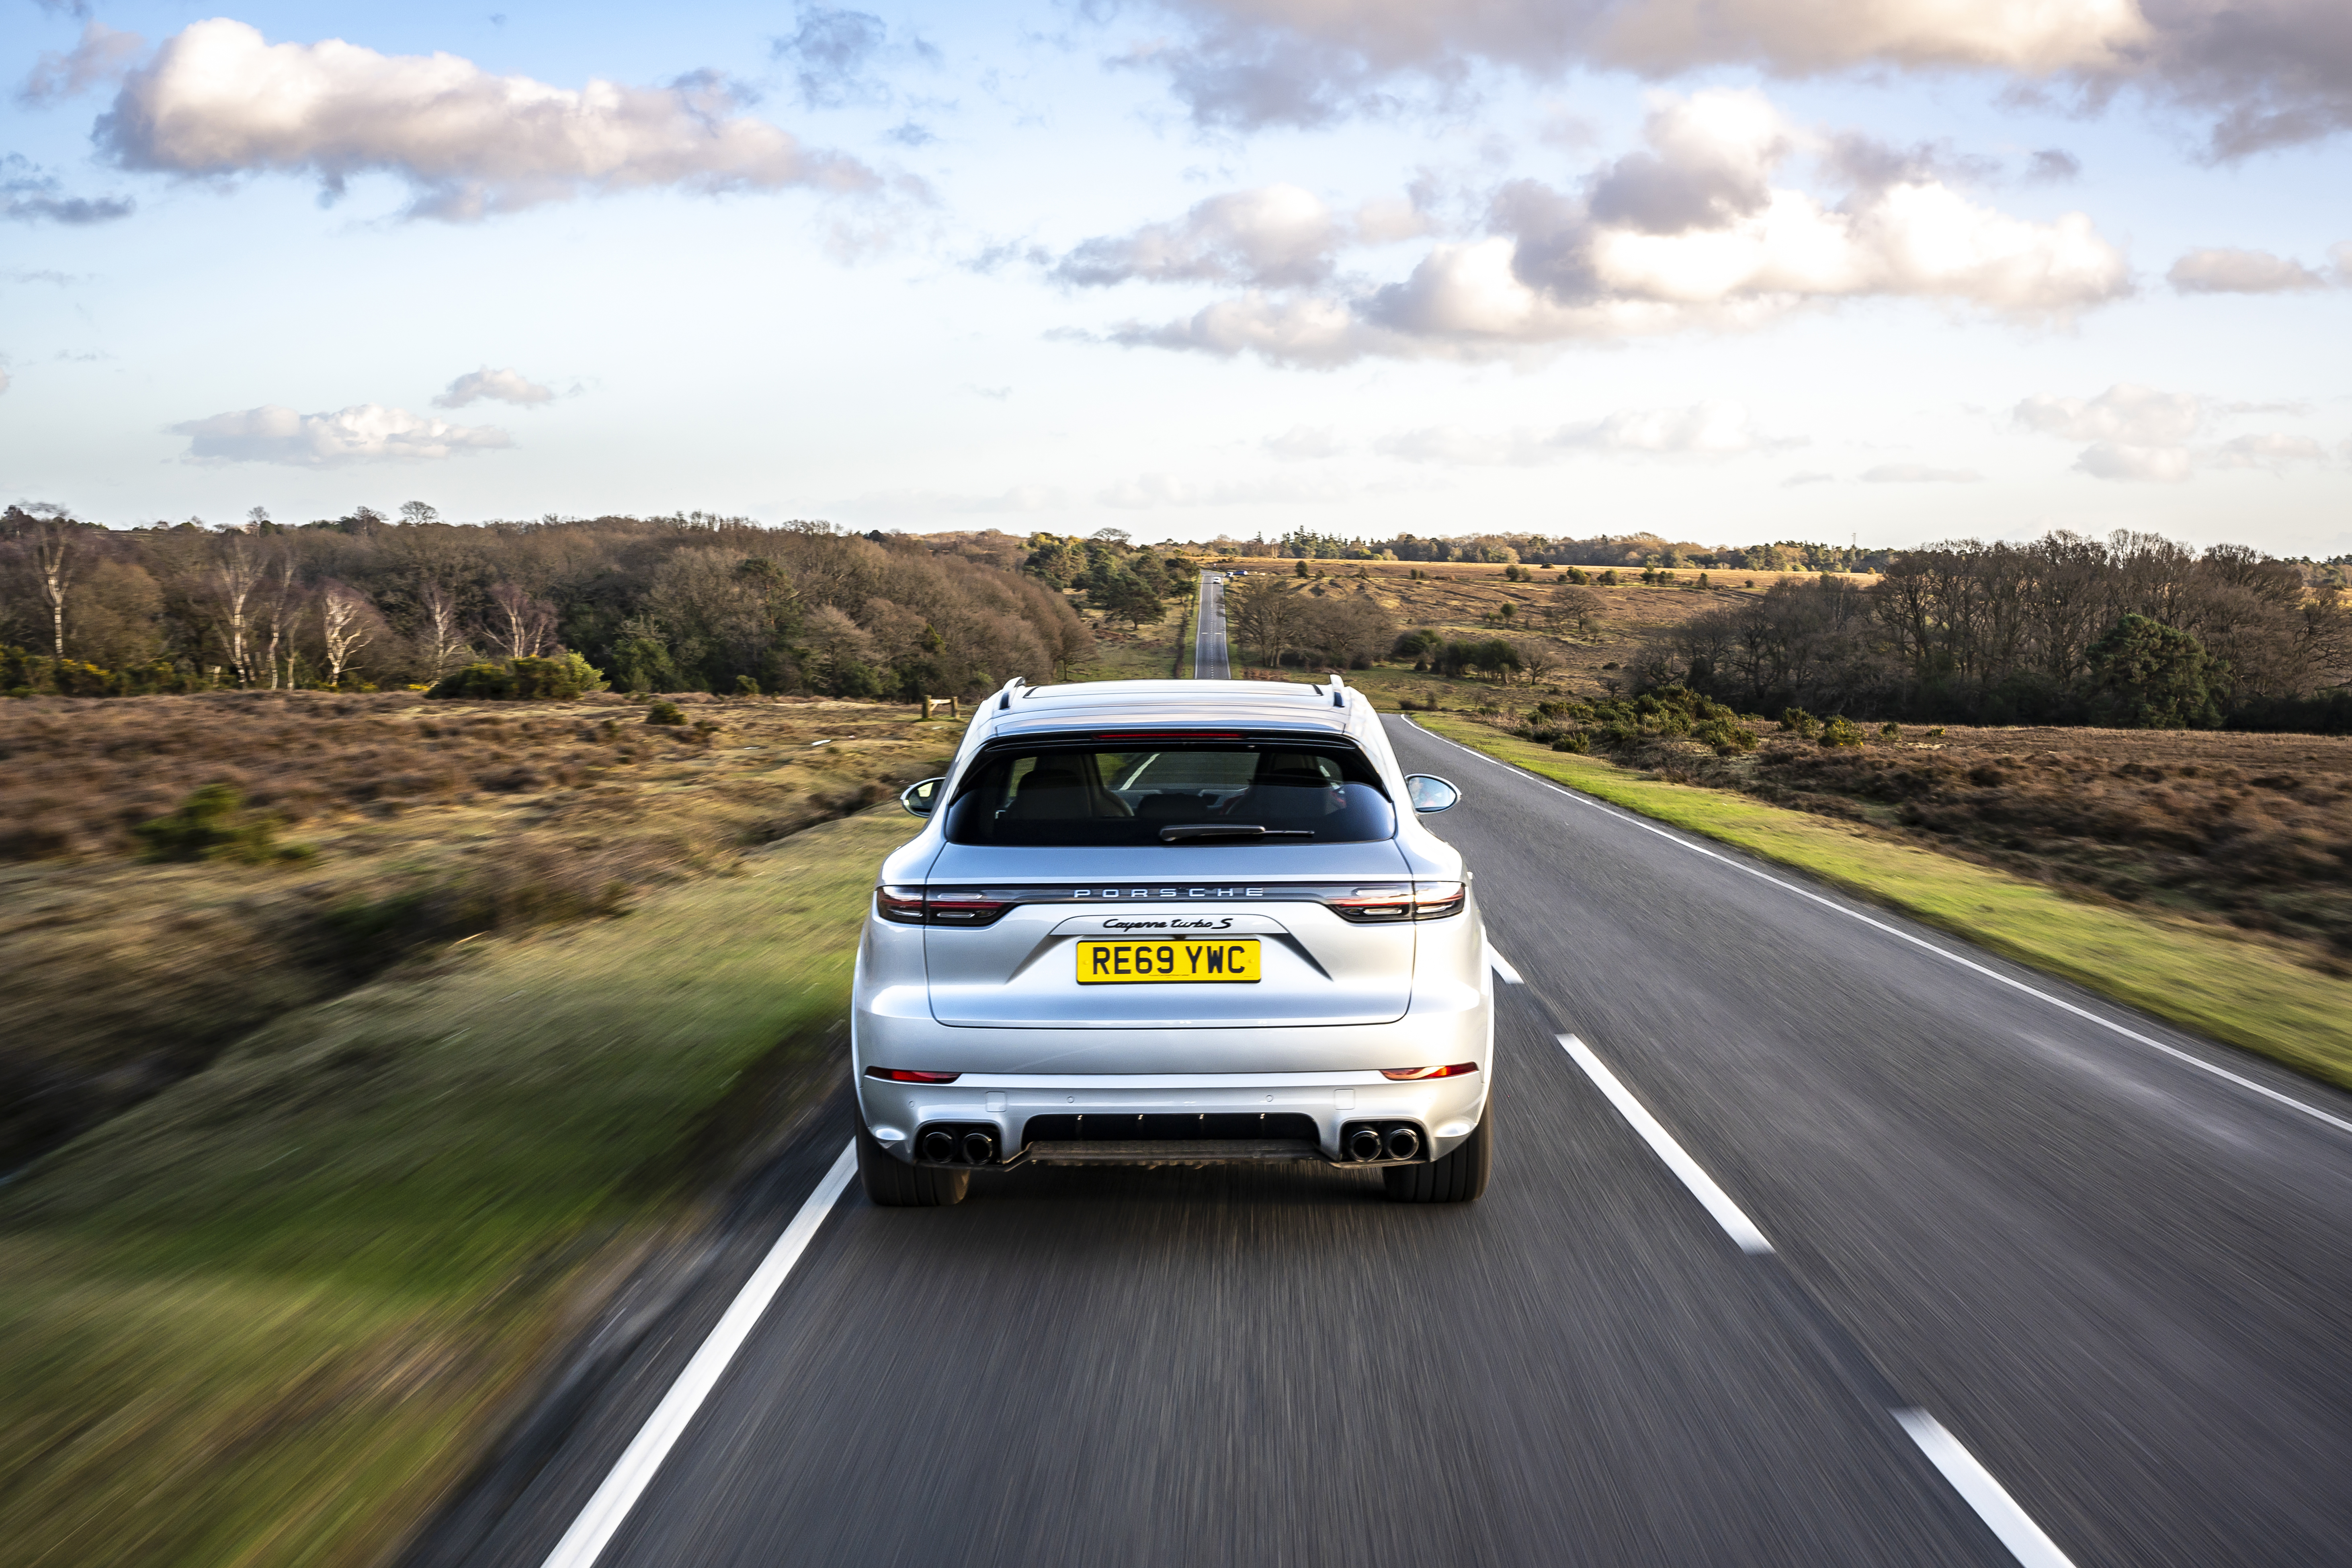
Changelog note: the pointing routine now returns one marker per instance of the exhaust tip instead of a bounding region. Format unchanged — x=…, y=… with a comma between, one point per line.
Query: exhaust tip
x=1403, y=1142
x=1364, y=1143
x=938, y=1147
x=978, y=1148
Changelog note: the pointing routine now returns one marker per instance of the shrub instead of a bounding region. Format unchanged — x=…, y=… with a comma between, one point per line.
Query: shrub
x=1797, y=722
x=665, y=712
x=1841, y=731
x=746, y=687
x=213, y=824
x=524, y=680
x=1936, y=733
x=1890, y=731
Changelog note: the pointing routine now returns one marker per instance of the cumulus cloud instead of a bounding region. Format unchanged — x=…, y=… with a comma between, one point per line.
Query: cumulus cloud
x=28, y=194
x=2224, y=271
x=494, y=386
x=219, y=100
x=1279, y=234
x=1716, y=429
x=2053, y=166
x=1690, y=232
x=2140, y=433
x=1919, y=474
x=1302, y=442
x=830, y=49
x=364, y=432
x=2269, y=71
x=102, y=56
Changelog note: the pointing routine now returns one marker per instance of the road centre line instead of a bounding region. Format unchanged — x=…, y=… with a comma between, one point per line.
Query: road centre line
x=635, y=1468
x=2130, y=1034
x=1714, y=1199
x=1503, y=967
x=2011, y=1524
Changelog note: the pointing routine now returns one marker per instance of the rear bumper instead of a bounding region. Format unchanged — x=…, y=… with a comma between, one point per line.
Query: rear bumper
x=1444, y=1109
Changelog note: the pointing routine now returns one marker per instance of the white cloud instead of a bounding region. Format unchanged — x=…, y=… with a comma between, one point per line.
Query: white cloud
x=1305, y=441
x=102, y=55
x=497, y=385
x=2224, y=271
x=2137, y=432
x=1919, y=474
x=219, y=100
x=2273, y=453
x=364, y=432
x=1809, y=477
x=1149, y=491
x=1689, y=234
x=1718, y=429
x=1279, y=234
x=2272, y=71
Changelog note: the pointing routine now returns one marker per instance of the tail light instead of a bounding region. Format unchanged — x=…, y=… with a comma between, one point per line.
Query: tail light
x=1379, y=906
x=1404, y=1075
x=913, y=906
x=904, y=1074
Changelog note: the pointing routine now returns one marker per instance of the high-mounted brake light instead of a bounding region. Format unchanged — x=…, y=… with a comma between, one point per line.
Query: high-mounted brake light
x=902, y=1075
x=1167, y=735
x=1405, y=1074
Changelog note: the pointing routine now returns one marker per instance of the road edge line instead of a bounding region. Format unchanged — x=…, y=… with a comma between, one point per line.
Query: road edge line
x=609, y=1509
x=1978, y=1487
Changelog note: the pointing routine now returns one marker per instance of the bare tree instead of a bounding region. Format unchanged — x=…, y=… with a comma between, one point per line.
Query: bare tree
x=520, y=626
x=281, y=603
x=439, y=642
x=1263, y=610
x=233, y=585
x=54, y=561
x=343, y=628
x=1572, y=605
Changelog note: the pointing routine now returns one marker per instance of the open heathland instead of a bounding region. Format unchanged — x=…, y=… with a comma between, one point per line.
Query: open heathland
x=308, y=840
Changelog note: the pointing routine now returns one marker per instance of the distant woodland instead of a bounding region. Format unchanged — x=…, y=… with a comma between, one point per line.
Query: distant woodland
x=2134, y=630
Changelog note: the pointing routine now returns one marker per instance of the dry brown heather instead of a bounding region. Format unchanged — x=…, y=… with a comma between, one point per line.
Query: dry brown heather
x=416, y=824
x=2254, y=829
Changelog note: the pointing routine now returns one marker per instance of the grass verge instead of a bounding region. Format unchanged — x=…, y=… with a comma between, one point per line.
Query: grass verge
x=267, y=1316
x=2238, y=992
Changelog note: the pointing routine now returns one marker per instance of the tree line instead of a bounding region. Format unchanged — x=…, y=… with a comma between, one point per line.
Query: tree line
x=2136, y=629
x=366, y=601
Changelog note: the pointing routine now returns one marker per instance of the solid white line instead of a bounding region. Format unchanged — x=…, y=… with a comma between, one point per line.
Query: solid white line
x=1503, y=966
x=1978, y=1489
x=1714, y=1199
x=2130, y=1034
x=610, y=1507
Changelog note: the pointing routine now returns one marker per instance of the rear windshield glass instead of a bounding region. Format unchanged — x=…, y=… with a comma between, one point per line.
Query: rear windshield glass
x=1203, y=793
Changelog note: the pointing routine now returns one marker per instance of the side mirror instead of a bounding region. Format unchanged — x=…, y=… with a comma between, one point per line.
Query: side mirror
x=922, y=798
x=1429, y=793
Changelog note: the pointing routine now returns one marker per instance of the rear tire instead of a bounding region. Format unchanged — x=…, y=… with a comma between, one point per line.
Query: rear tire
x=892, y=1184
x=1457, y=1178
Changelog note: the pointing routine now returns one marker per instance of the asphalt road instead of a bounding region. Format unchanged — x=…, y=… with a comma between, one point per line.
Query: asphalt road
x=1209, y=660
x=2119, y=1284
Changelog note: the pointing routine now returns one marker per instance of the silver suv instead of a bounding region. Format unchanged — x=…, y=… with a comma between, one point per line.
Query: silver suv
x=1174, y=922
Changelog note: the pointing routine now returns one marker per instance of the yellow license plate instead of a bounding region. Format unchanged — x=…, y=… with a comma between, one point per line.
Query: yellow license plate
x=1146, y=962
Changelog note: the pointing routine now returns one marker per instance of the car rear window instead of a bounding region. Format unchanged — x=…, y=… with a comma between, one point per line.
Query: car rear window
x=1226, y=792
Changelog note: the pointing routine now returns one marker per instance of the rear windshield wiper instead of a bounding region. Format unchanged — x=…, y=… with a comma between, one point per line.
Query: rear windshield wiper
x=1186, y=832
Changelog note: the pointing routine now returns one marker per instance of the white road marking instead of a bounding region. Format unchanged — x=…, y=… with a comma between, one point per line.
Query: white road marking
x=1714, y=1199
x=2130, y=1034
x=1503, y=967
x=2013, y=1524
x=605, y=1512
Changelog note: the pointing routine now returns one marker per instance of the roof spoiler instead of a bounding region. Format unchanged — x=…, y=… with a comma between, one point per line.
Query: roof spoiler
x=1017, y=686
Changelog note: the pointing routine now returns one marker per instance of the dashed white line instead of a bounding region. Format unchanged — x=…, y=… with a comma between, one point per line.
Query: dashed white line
x=2084, y=1013
x=1503, y=967
x=2013, y=1526
x=1714, y=1199
x=606, y=1511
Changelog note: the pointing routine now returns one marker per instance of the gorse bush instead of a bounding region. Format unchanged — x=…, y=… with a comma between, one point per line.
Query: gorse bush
x=557, y=679
x=665, y=712
x=1674, y=713
x=213, y=824
x=1840, y=730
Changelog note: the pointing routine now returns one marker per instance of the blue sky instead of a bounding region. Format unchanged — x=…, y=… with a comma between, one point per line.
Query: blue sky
x=1894, y=269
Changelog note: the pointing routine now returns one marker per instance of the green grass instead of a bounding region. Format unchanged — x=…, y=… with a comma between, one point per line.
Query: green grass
x=267, y=1316
x=2243, y=992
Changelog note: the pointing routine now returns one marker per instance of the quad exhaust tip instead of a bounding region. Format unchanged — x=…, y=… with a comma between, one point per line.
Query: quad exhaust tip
x=937, y=1146
x=978, y=1148
x=1403, y=1142
x=1364, y=1143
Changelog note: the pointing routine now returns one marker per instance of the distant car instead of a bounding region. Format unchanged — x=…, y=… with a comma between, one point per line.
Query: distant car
x=1174, y=922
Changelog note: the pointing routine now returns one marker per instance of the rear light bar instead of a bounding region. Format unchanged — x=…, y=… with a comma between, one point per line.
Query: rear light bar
x=903, y=1075
x=914, y=907
x=1414, y=1074
x=1420, y=901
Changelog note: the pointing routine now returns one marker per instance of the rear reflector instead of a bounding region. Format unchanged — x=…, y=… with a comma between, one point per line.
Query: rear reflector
x=1457, y=1070
x=901, y=1075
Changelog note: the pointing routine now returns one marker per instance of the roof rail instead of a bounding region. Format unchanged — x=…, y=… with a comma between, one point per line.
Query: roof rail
x=1005, y=697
